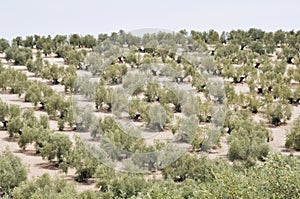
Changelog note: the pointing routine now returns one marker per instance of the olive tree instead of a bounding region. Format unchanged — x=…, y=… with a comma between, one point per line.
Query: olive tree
x=81, y=158
x=278, y=113
x=152, y=92
x=59, y=40
x=69, y=78
x=114, y=73
x=4, y=44
x=74, y=57
x=57, y=146
x=94, y=63
x=17, y=41
x=54, y=73
x=248, y=141
x=157, y=117
x=187, y=130
x=14, y=126
x=12, y=172
x=45, y=187
x=4, y=112
x=37, y=65
x=54, y=104
x=293, y=136
x=257, y=47
x=75, y=40
x=88, y=41
x=103, y=96
x=31, y=135
x=18, y=55
x=29, y=42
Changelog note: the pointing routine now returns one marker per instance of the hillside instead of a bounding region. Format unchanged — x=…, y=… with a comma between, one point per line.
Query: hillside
x=165, y=108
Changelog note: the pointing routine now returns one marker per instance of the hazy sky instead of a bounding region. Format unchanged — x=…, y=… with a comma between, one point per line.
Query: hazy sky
x=28, y=17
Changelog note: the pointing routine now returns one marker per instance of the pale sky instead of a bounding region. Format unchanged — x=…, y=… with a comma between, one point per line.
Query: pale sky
x=28, y=17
